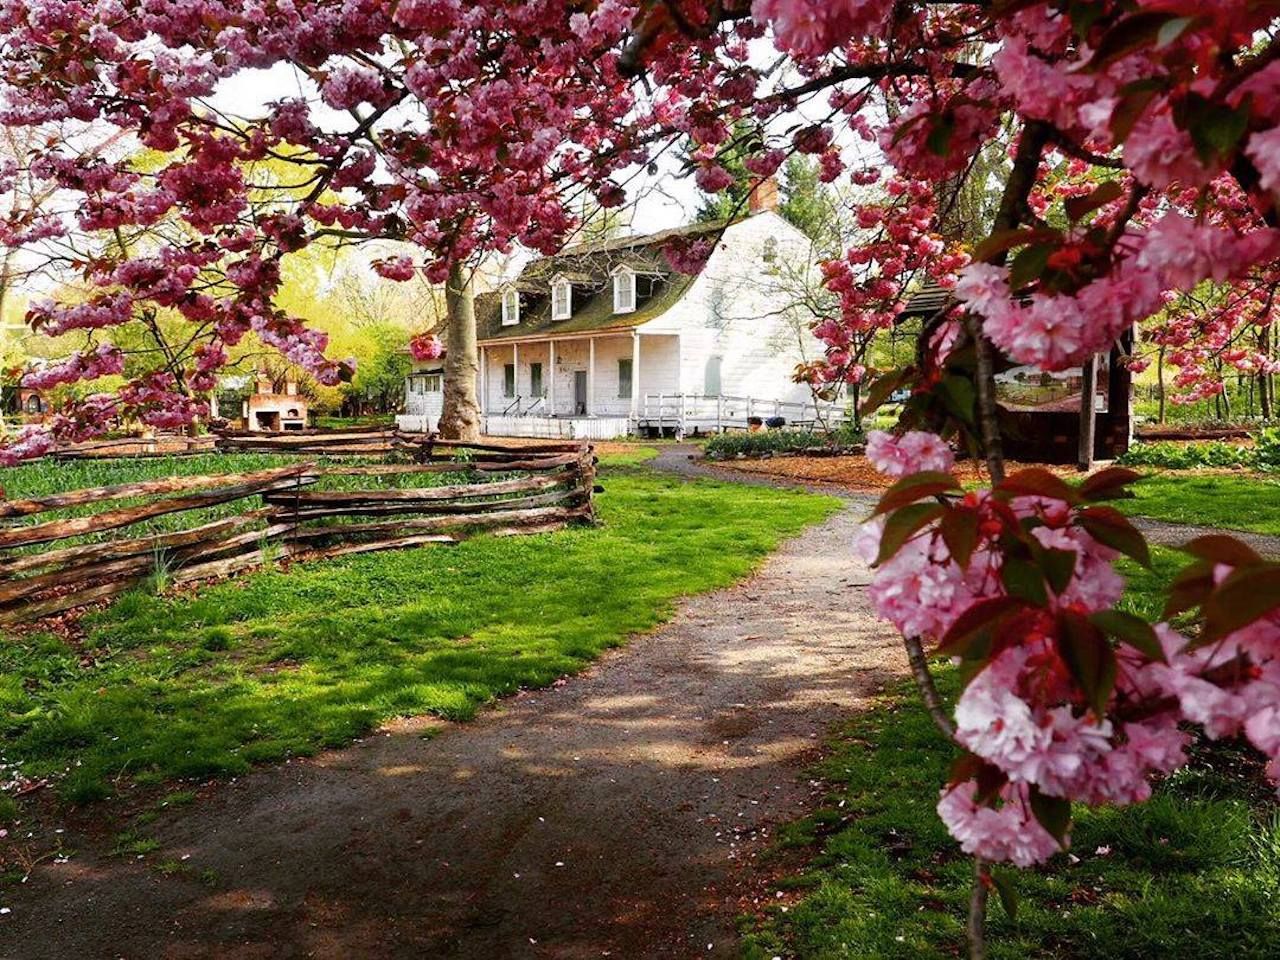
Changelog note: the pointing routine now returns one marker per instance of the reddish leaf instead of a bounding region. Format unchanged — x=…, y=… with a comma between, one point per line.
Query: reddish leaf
x=1131, y=106
x=1190, y=588
x=915, y=487
x=1220, y=548
x=1131, y=34
x=1038, y=482
x=1245, y=597
x=1108, y=484
x=1079, y=207
x=960, y=534
x=1109, y=526
x=1003, y=241
x=982, y=616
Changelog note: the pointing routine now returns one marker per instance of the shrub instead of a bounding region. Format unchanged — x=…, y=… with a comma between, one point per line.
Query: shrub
x=726, y=446
x=1184, y=456
x=1267, y=449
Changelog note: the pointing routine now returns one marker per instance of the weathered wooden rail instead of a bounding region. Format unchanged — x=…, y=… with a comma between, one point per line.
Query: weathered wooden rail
x=48, y=566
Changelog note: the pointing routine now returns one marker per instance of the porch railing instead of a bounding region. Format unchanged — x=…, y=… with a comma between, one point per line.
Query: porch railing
x=689, y=412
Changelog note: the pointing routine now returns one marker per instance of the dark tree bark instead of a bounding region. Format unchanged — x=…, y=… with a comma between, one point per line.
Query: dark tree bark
x=460, y=419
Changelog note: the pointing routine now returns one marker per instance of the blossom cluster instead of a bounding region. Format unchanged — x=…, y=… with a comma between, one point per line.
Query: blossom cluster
x=1038, y=722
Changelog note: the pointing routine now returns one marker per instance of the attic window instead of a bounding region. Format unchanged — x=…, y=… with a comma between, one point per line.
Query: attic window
x=510, y=307
x=561, y=300
x=624, y=290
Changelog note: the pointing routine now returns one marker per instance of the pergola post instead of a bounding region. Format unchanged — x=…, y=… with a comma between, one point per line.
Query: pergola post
x=635, y=376
x=551, y=372
x=1088, y=412
x=591, y=377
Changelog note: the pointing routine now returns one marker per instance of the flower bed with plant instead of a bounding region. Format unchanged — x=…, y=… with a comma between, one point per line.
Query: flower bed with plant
x=727, y=446
x=1263, y=454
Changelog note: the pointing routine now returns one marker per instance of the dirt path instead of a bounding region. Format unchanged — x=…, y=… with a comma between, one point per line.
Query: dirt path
x=619, y=814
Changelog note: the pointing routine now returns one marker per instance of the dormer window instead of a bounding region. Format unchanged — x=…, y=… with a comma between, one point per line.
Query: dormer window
x=624, y=290
x=510, y=307
x=561, y=299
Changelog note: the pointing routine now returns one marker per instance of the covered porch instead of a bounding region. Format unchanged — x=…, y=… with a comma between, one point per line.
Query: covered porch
x=584, y=386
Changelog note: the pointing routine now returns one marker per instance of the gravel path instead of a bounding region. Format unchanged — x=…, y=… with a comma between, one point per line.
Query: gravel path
x=620, y=813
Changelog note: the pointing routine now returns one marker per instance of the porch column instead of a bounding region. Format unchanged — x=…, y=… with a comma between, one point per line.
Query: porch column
x=635, y=375
x=591, y=377
x=551, y=372
x=484, y=381
x=515, y=377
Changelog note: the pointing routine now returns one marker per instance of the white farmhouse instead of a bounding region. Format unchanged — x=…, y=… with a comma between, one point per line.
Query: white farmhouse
x=608, y=339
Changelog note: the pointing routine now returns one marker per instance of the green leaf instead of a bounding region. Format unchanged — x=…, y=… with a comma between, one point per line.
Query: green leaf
x=1109, y=526
x=1132, y=630
x=1024, y=580
x=915, y=487
x=1089, y=658
x=882, y=387
x=940, y=134
x=1002, y=880
x=903, y=524
x=1029, y=265
x=1084, y=16
x=959, y=396
x=1215, y=129
x=1052, y=813
x=1059, y=567
x=1171, y=30
x=1109, y=484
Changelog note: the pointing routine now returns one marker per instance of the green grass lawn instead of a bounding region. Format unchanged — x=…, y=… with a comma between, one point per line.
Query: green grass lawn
x=1195, y=874
x=278, y=664
x=1231, y=501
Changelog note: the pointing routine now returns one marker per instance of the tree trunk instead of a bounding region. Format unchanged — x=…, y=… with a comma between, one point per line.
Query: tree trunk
x=460, y=419
x=1160, y=383
x=1088, y=412
x=1264, y=380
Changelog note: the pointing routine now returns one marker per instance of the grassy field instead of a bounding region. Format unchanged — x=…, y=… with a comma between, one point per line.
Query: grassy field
x=1195, y=874
x=1231, y=501
x=278, y=664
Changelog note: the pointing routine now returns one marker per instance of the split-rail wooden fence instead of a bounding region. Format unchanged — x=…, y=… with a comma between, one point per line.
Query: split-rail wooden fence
x=48, y=566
